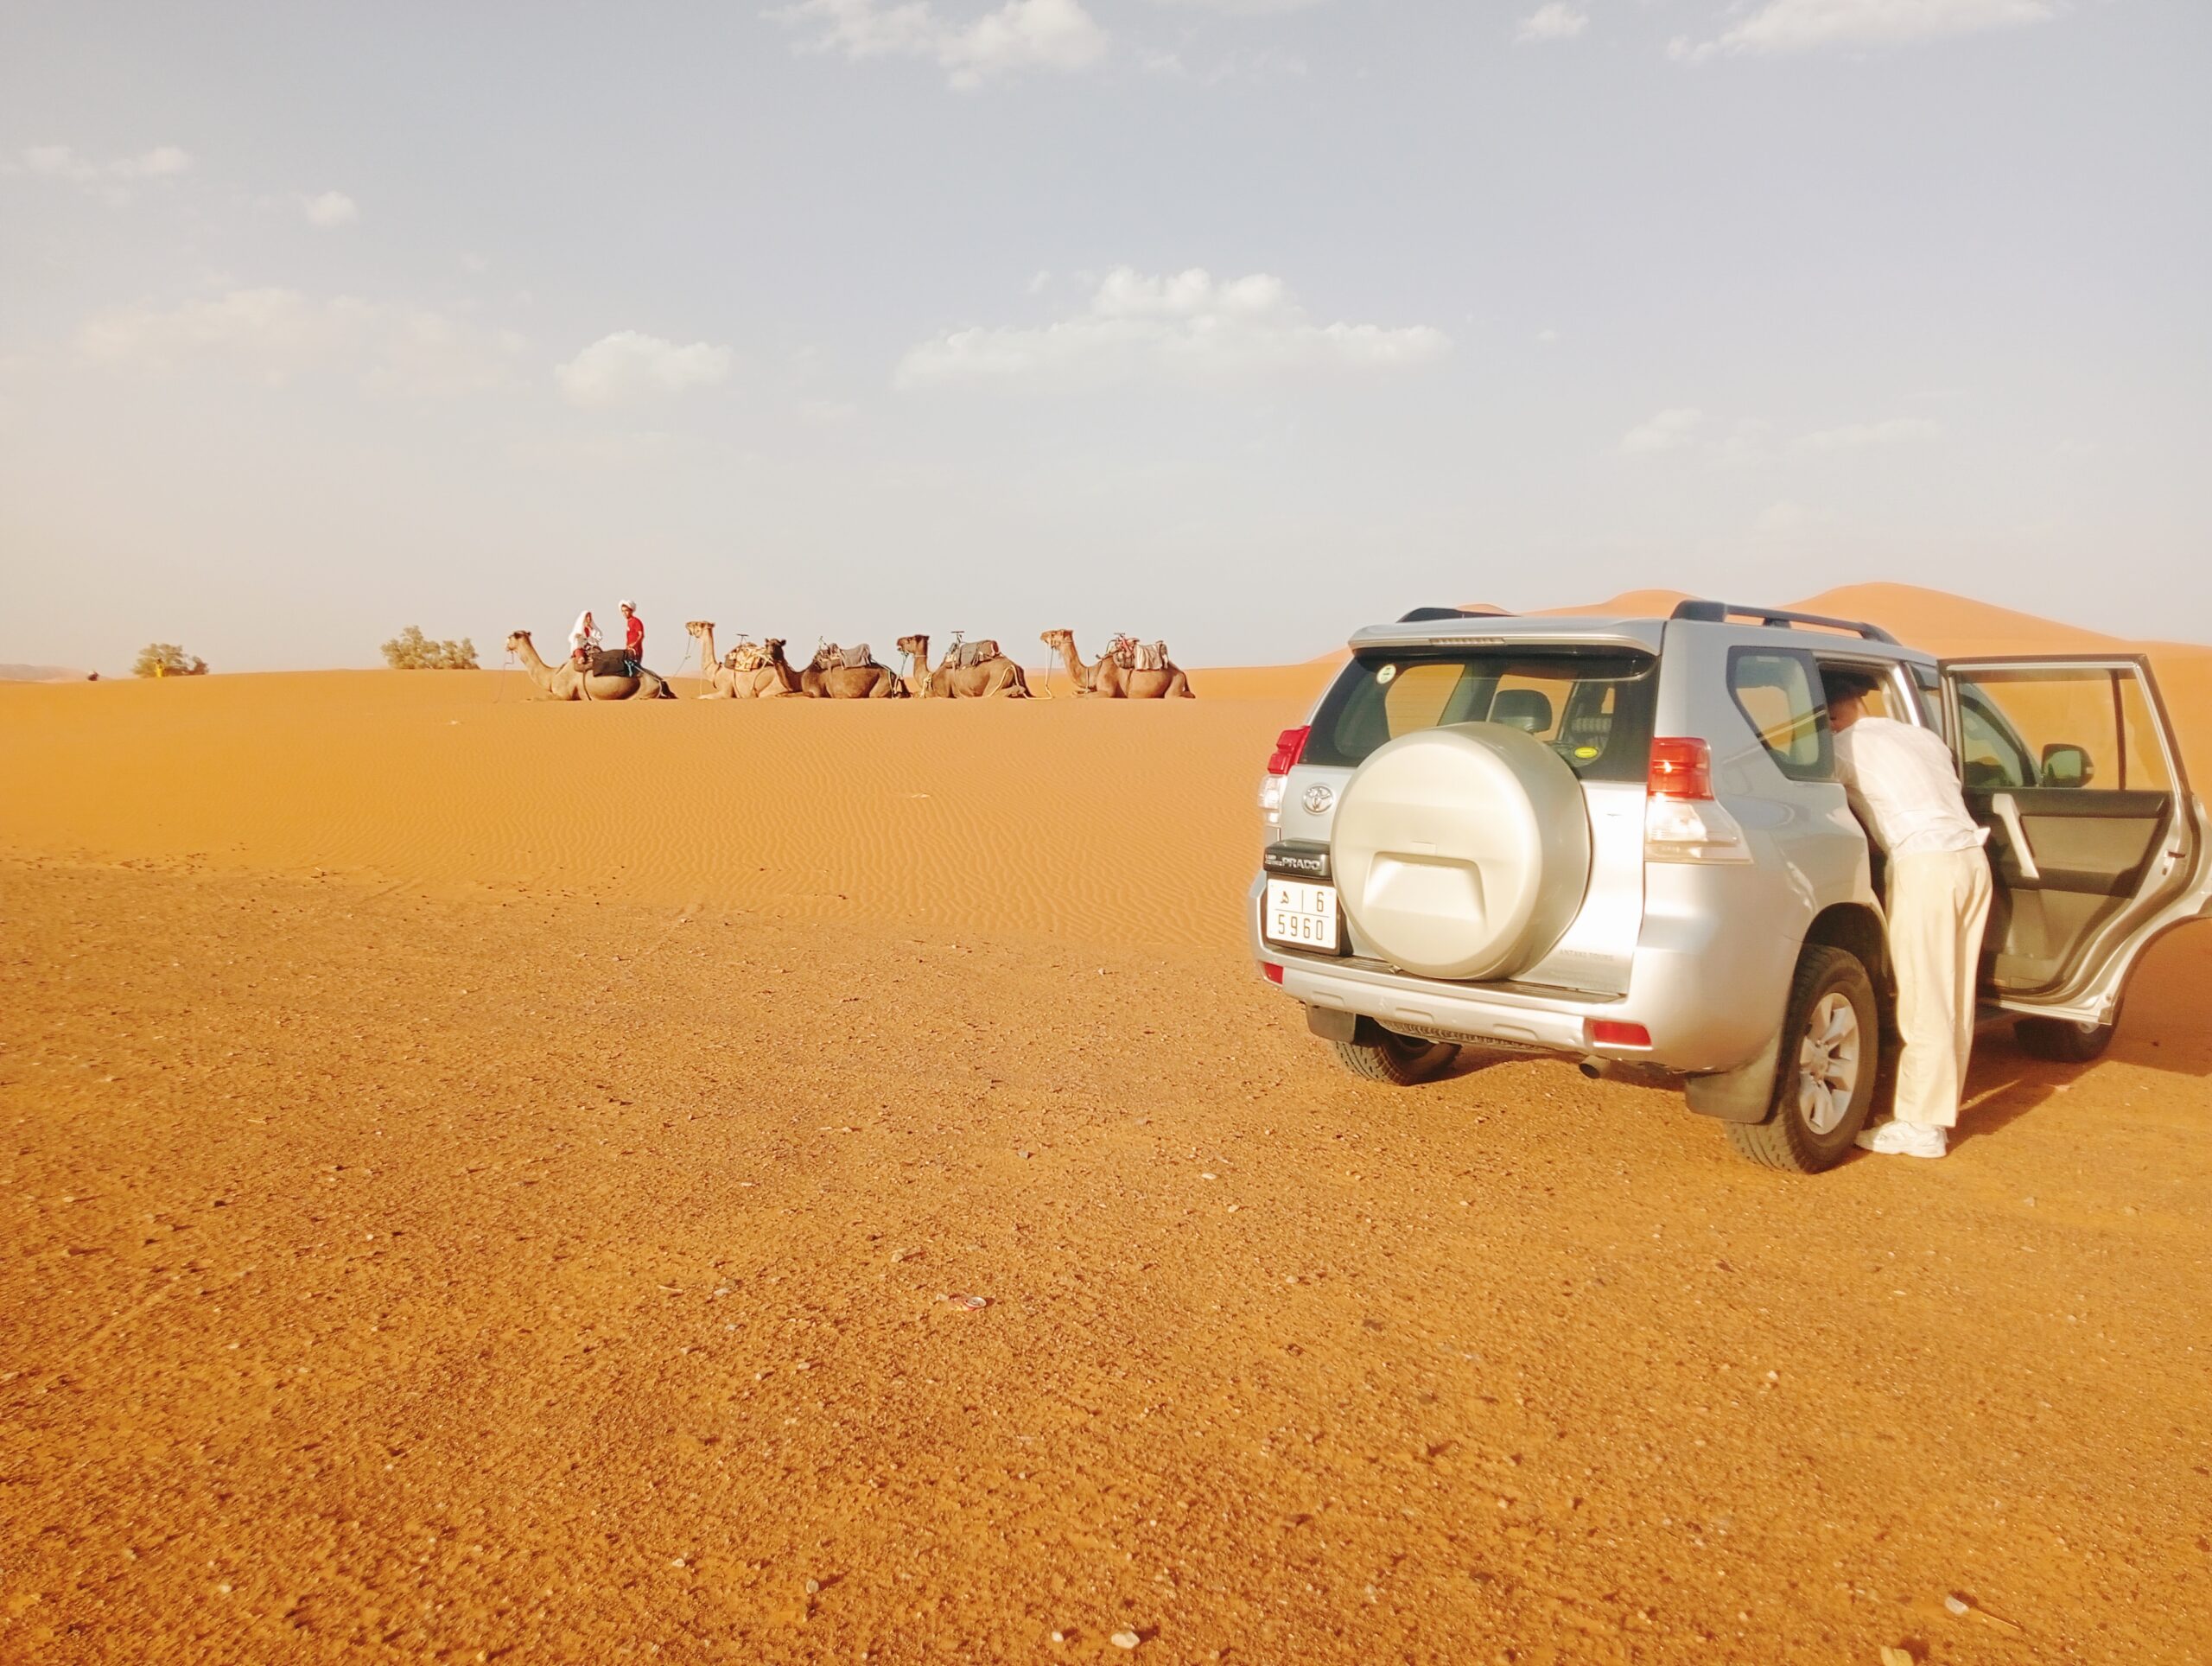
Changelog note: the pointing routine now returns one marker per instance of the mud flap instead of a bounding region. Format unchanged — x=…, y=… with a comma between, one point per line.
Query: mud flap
x=1332, y=1023
x=1744, y=1094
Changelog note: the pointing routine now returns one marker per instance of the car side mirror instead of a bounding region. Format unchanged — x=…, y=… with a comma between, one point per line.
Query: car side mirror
x=2066, y=765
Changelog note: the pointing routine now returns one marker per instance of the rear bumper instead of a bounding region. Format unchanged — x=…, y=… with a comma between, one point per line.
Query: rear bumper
x=1708, y=1004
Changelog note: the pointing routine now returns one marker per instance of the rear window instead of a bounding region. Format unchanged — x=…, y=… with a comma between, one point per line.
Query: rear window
x=1593, y=707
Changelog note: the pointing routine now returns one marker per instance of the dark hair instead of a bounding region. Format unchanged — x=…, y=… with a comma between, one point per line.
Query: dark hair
x=1847, y=685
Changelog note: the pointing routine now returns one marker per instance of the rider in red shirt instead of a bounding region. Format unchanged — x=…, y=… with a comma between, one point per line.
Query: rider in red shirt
x=633, y=633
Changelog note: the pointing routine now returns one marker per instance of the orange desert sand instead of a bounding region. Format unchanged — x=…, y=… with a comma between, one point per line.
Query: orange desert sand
x=488, y=1180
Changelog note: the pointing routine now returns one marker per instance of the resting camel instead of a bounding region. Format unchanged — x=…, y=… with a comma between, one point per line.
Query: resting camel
x=565, y=682
x=1111, y=679
x=870, y=682
x=748, y=671
x=996, y=676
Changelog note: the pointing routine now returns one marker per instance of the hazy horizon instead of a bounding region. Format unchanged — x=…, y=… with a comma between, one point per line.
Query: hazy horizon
x=1239, y=322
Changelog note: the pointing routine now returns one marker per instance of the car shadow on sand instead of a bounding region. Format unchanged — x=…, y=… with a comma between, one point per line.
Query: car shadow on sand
x=2162, y=1028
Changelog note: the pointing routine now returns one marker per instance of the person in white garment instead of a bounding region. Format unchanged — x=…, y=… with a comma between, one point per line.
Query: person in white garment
x=583, y=641
x=1904, y=785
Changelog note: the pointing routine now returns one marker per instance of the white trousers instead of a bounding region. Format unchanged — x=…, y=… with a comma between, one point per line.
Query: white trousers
x=1939, y=903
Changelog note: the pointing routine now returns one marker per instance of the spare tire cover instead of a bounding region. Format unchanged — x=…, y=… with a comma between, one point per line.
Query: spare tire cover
x=1462, y=852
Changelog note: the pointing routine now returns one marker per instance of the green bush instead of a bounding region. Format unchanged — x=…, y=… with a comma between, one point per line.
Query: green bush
x=411, y=651
x=167, y=659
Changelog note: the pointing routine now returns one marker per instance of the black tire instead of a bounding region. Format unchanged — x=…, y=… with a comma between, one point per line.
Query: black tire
x=1400, y=1060
x=2061, y=1040
x=1791, y=1138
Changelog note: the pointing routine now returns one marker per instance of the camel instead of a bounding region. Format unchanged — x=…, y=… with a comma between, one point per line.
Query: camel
x=870, y=682
x=565, y=682
x=997, y=675
x=1111, y=679
x=748, y=671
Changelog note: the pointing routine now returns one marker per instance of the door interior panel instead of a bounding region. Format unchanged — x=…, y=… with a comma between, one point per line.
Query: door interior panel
x=2092, y=853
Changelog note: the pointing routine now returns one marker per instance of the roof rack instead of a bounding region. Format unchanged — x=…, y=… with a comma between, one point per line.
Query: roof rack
x=1720, y=613
x=1426, y=615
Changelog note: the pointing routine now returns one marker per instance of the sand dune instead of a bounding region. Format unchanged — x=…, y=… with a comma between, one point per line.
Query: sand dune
x=1131, y=819
x=489, y=1178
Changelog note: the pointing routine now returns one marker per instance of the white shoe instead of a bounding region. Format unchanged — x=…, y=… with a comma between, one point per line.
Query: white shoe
x=1895, y=1139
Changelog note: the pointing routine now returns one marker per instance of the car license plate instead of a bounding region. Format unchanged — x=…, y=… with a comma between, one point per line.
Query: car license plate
x=1304, y=916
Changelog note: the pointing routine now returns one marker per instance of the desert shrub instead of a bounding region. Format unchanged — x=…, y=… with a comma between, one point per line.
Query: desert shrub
x=167, y=659
x=411, y=651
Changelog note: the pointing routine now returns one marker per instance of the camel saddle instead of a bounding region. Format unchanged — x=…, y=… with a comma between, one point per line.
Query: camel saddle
x=746, y=657
x=858, y=657
x=967, y=655
x=612, y=662
x=1135, y=655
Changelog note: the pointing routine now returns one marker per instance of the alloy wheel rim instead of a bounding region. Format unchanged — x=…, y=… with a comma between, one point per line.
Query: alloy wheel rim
x=1828, y=1063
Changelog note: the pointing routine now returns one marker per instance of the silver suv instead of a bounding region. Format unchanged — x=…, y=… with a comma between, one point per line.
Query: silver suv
x=1621, y=841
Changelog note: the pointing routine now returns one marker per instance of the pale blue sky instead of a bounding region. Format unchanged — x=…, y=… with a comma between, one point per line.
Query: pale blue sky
x=1237, y=321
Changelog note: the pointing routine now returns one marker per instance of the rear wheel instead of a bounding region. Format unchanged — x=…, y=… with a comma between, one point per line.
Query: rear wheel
x=1824, y=1079
x=1381, y=1055
x=2063, y=1039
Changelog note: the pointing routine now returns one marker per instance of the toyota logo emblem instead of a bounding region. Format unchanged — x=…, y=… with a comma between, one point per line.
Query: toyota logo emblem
x=1318, y=799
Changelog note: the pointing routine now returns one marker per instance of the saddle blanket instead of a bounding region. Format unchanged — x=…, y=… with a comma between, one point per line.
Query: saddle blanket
x=967, y=654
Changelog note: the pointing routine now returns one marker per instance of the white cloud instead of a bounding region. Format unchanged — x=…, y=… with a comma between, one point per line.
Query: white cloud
x=331, y=208
x=1785, y=26
x=62, y=162
x=1022, y=35
x=277, y=334
x=1552, y=20
x=1669, y=430
x=1240, y=8
x=1186, y=327
x=1861, y=436
x=1546, y=337
x=1254, y=67
x=628, y=365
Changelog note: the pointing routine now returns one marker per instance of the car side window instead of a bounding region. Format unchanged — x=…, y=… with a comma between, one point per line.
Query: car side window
x=1778, y=692
x=1989, y=755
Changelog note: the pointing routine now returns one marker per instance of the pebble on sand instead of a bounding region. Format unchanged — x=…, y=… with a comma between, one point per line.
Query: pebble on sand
x=1124, y=1639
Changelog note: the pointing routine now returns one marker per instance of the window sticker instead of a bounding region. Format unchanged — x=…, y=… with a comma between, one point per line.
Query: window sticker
x=1386, y=673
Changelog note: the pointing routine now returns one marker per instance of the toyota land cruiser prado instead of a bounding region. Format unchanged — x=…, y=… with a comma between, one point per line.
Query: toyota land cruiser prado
x=1621, y=841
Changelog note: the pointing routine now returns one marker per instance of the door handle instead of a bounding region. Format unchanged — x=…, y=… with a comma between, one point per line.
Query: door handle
x=2007, y=809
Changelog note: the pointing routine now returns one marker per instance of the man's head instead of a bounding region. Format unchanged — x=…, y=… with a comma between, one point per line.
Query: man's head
x=1847, y=692
x=628, y=608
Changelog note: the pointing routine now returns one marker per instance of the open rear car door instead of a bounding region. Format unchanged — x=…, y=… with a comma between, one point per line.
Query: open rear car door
x=2096, y=842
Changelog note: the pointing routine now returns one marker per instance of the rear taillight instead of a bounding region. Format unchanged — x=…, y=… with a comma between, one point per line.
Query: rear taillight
x=1680, y=769
x=1271, y=971
x=1612, y=1032
x=1682, y=821
x=1289, y=745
